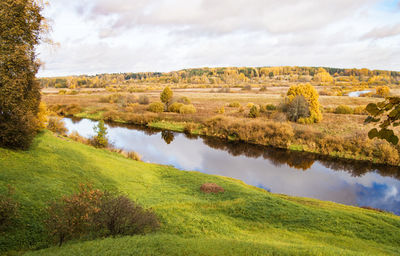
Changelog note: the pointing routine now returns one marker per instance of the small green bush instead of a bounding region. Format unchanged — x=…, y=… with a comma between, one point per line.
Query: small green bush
x=156, y=107
x=270, y=107
x=254, y=112
x=234, y=104
x=175, y=107
x=187, y=109
x=343, y=109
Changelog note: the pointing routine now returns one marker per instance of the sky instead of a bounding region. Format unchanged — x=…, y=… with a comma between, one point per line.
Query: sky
x=112, y=36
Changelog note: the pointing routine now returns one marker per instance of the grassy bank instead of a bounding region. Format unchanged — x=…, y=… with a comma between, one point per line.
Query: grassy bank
x=244, y=220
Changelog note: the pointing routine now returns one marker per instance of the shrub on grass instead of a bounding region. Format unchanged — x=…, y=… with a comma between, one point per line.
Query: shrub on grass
x=175, y=107
x=95, y=213
x=270, y=107
x=211, y=188
x=156, y=107
x=56, y=125
x=187, y=109
x=220, y=110
x=343, y=109
x=234, y=104
x=254, y=112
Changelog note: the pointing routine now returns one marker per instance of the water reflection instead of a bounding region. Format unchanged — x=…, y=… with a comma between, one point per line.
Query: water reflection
x=279, y=171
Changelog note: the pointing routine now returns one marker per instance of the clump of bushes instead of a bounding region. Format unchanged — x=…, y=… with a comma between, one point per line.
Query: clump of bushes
x=175, y=107
x=56, y=125
x=254, y=112
x=255, y=131
x=270, y=107
x=94, y=213
x=383, y=91
x=234, y=104
x=156, y=107
x=343, y=109
x=187, y=109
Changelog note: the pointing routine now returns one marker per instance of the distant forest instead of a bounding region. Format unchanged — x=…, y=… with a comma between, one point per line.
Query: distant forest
x=207, y=77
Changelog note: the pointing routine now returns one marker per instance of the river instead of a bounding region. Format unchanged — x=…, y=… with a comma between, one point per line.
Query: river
x=278, y=171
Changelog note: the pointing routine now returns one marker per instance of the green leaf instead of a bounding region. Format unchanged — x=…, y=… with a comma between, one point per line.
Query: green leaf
x=373, y=133
x=393, y=139
x=372, y=109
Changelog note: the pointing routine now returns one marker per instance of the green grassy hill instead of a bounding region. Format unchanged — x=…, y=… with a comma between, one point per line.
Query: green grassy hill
x=242, y=221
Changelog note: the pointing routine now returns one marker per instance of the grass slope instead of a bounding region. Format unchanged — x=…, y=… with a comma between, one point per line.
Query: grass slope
x=242, y=221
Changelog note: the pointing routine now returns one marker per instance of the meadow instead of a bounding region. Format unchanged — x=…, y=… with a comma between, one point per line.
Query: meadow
x=243, y=220
x=341, y=133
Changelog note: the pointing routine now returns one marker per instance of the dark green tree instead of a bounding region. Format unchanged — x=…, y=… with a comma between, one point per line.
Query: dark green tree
x=20, y=28
x=100, y=140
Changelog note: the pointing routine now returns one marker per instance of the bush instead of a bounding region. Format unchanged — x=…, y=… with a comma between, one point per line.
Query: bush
x=97, y=213
x=187, y=109
x=118, y=215
x=143, y=100
x=383, y=91
x=360, y=110
x=220, y=110
x=298, y=108
x=234, y=104
x=8, y=210
x=189, y=128
x=184, y=100
x=156, y=107
x=175, y=107
x=270, y=107
x=343, y=109
x=254, y=112
x=42, y=116
x=166, y=96
x=57, y=125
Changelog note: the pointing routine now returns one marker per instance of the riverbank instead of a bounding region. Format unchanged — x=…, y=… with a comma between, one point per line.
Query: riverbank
x=354, y=145
x=242, y=220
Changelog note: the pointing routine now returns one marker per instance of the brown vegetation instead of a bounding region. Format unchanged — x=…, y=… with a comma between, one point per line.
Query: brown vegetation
x=211, y=188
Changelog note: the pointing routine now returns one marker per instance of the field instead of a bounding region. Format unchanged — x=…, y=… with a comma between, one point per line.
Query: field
x=339, y=135
x=243, y=220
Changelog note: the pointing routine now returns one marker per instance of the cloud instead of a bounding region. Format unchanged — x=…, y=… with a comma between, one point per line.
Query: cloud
x=99, y=36
x=383, y=32
x=227, y=16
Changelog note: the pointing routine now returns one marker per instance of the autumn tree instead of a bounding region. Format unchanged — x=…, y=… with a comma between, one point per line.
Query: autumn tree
x=298, y=108
x=323, y=76
x=166, y=96
x=20, y=29
x=383, y=91
x=311, y=96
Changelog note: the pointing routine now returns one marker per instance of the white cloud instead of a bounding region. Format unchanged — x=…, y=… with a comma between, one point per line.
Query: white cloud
x=161, y=35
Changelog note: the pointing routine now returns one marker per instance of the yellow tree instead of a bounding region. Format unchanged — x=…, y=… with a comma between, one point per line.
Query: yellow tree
x=311, y=95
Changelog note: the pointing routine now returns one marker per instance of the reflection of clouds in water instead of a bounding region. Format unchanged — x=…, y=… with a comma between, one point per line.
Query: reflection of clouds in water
x=370, y=189
x=380, y=196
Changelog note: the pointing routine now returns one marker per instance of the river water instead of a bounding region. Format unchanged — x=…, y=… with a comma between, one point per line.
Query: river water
x=278, y=171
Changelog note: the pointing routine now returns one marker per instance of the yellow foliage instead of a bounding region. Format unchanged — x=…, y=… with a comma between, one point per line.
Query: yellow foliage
x=311, y=95
x=42, y=115
x=383, y=90
x=323, y=76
